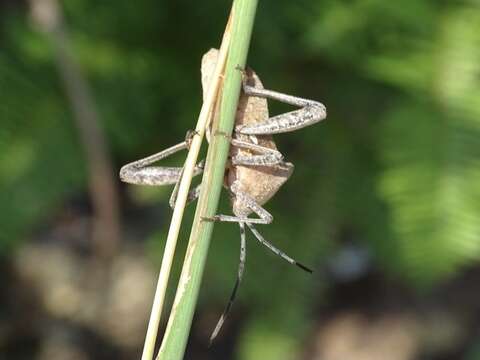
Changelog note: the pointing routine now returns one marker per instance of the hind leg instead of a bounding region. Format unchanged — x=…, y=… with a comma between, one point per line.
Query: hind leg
x=310, y=112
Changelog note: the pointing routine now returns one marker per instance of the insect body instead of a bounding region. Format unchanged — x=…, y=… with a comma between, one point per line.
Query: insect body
x=256, y=169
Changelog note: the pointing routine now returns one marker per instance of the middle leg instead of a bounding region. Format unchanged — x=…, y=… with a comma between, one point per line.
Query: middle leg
x=266, y=157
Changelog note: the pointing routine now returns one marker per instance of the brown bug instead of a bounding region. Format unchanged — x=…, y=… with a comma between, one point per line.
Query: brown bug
x=256, y=169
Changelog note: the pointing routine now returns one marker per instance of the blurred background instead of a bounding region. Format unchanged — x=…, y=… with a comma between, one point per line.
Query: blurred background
x=383, y=204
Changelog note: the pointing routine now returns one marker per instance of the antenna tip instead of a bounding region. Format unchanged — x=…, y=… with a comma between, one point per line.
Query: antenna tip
x=304, y=268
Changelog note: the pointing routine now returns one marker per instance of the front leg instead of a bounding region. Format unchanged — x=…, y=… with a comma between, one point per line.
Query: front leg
x=310, y=113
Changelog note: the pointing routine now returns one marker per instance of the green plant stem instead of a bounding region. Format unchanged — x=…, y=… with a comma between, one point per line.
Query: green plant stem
x=206, y=113
x=179, y=323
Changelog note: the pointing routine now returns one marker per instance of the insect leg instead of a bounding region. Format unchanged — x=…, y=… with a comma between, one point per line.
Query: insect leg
x=138, y=172
x=267, y=155
x=310, y=113
x=276, y=251
x=265, y=216
x=192, y=194
x=241, y=268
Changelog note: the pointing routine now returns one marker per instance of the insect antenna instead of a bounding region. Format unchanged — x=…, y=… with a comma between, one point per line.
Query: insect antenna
x=241, y=268
x=276, y=251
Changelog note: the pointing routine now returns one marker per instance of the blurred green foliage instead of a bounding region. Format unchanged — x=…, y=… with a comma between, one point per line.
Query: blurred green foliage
x=395, y=168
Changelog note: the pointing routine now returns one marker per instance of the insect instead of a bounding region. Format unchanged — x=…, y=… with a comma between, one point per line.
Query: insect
x=256, y=169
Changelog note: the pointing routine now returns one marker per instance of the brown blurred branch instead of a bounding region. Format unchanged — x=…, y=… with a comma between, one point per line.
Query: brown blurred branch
x=47, y=17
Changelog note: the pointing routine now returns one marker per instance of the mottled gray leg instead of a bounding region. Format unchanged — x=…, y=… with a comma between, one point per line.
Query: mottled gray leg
x=276, y=251
x=310, y=113
x=265, y=216
x=192, y=194
x=138, y=172
x=241, y=268
x=267, y=156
